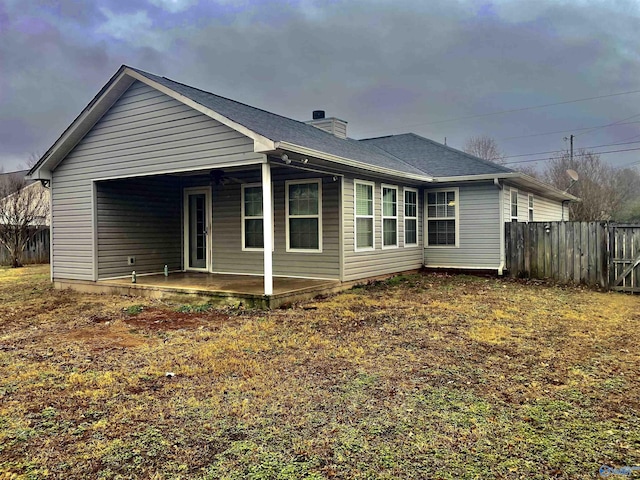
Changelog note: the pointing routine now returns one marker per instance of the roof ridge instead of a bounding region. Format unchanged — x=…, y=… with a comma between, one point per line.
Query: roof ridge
x=234, y=101
x=473, y=157
x=299, y=122
x=383, y=136
x=386, y=152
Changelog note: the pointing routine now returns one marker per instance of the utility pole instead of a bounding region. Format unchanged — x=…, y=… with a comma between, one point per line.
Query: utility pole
x=571, y=143
x=571, y=146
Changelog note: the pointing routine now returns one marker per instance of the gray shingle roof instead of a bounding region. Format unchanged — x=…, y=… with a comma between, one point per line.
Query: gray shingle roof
x=408, y=153
x=283, y=129
x=434, y=158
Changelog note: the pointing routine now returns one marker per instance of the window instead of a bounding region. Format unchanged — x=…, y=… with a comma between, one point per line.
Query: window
x=514, y=205
x=252, y=224
x=442, y=215
x=410, y=217
x=530, y=208
x=304, y=223
x=364, y=215
x=389, y=216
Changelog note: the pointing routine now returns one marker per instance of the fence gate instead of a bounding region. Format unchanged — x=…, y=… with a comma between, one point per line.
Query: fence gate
x=624, y=254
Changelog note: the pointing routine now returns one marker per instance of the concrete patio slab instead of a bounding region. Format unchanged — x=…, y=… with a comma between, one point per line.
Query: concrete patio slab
x=236, y=290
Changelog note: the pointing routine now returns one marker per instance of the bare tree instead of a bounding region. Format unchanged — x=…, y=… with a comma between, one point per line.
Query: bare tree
x=530, y=170
x=23, y=208
x=630, y=212
x=603, y=189
x=34, y=157
x=486, y=148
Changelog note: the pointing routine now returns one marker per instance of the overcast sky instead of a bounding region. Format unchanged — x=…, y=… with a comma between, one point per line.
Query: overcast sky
x=389, y=66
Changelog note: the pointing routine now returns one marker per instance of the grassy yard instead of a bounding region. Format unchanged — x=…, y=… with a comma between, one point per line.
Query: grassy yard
x=421, y=377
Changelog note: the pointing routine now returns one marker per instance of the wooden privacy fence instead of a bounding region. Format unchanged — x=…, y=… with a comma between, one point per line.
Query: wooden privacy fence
x=37, y=250
x=624, y=258
x=590, y=253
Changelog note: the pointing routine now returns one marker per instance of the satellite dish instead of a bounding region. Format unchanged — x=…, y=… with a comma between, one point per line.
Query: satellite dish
x=572, y=174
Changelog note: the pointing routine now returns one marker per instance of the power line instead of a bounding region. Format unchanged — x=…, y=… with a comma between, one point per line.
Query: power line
x=611, y=124
x=629, y=138
x=514, y=110
x=560, y=151
x=546, y=159
x=637, y=162
x=564, y=131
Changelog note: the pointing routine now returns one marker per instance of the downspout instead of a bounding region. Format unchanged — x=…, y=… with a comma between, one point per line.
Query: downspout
x=496, y=182
x=562, y=204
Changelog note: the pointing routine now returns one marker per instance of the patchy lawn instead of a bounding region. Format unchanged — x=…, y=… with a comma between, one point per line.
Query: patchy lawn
x=425, y=377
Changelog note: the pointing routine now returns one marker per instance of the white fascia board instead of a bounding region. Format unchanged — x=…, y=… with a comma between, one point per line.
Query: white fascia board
x=261, y=143
x=475, y=178
x=517, y=178
x=351, y=163
x=526, y=180
x=39, y=174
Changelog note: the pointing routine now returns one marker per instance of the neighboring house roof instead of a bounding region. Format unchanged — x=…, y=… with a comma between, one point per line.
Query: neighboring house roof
x=408, y=155
x=18, y=173
x=434, y=158
x=33, y=190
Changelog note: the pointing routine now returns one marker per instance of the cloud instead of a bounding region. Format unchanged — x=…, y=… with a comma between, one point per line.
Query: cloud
x=124, y=26
x=173, y=6
x=385, y=66
x=138, y=30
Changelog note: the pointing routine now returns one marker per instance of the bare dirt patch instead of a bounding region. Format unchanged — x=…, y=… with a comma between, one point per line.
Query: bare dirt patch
x=107, y=336
x=163, y=319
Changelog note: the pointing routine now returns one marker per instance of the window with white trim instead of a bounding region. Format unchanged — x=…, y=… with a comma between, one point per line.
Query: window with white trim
x=410, y=217
x=530, y=208
x=389, y=216
x=442, y=218
x=364, y=208
x=304, y=215
x=514, y=205
x=252, y=219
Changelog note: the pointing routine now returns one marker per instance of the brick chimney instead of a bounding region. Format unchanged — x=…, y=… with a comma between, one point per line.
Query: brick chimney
x=332, y=125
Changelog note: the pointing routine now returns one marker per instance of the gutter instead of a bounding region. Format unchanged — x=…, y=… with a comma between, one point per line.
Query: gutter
x=501, y=266
x=486, y=176
x=521, y=178
x=351, y=163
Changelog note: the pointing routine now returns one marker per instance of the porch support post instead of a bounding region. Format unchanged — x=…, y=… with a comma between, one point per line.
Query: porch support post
x=267, y=219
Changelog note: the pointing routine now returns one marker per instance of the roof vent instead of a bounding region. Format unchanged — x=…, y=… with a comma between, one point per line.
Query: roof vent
x=317, y=114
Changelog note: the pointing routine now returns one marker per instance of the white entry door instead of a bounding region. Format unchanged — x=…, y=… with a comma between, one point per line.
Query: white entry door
x=197, y=228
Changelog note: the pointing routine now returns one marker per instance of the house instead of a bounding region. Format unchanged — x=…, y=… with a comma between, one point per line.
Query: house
x=154, y=172
x=24, y=220
x=33, y=190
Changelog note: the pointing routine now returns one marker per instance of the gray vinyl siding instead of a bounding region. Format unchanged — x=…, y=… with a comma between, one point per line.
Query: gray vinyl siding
x=370, y=263
x=140, y=218
x=228, y=256
x=479, y=231
x=144, y=133
x=544, y=209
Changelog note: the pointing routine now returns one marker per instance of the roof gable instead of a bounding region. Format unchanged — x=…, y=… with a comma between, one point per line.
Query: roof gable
x=434, y=158
x=267, y=129
x=281, y=129
x=407, y=156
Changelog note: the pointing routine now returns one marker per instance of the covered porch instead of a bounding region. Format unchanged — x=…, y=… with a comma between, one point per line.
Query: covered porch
x=222, y=289
x=206, y=230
